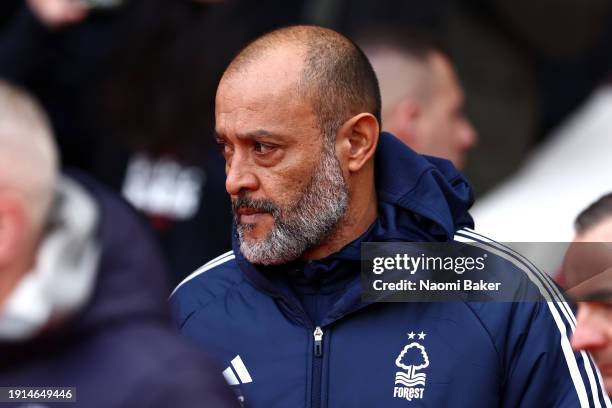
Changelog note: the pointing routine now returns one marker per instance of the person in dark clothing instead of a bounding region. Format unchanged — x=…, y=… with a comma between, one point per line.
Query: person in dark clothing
x=312, y=178
x=82, y=285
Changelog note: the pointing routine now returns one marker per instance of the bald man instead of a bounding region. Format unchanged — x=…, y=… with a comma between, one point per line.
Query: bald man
x=311, y=179
x=422, y=99
x=81, y=287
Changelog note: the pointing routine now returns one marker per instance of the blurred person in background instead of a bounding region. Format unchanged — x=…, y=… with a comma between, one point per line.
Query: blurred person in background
x=82, y=294
x=422, y=99
x=587, y=274
x=523, y=70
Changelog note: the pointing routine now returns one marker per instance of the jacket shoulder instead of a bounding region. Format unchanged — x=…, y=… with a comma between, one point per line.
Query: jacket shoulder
x=535, y=339
x=212, y=280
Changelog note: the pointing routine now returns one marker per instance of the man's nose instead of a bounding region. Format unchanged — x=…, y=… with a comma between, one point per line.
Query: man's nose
x=589, y=333
x=240, y=175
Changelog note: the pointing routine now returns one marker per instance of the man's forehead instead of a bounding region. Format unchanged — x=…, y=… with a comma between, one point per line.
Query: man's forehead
x=280, y=64
x=261, y=82
x=254, y=101
x=445, y=78
x=594, y=288
x=261, y=93
x=255, y=89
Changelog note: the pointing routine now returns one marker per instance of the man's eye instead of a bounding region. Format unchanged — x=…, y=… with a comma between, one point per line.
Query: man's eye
x=262, y=148
x=222, y=146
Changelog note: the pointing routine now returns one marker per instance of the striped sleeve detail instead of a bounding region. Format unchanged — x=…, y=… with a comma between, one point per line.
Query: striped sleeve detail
x=561, y=313
x=221, y=259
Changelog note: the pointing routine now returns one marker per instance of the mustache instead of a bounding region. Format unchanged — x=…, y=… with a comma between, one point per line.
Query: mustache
x=262, y=205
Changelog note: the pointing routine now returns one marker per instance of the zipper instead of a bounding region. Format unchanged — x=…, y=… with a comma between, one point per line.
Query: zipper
x=317, y=367
x=318, y=342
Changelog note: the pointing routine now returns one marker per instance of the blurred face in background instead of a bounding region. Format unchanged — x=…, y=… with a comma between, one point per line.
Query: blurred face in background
x=286, y=185
x=441, y=128
x=588, y=276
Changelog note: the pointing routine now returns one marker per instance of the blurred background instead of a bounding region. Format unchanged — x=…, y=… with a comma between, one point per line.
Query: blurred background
x=129, y=86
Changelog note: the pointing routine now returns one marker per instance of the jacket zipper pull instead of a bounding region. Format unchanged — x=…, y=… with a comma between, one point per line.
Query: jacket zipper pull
x=318, y=342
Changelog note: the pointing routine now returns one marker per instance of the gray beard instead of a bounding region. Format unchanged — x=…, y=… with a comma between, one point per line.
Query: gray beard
x=303, y=225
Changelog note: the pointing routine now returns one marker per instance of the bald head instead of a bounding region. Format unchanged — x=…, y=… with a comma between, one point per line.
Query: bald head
x=422, y=99
x=297, y=119
x=27, y=152
x=400, y=76
x=333, y=74
x=401, y=60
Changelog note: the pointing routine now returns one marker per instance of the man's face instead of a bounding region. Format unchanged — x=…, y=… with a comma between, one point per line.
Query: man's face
x=588, y=274
x=594, y=333
x=286, y=186
x=443, y=129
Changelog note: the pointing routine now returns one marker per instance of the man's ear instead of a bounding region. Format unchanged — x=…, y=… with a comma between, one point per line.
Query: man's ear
x=13, y=226
x=357, y=139
x=404, y=119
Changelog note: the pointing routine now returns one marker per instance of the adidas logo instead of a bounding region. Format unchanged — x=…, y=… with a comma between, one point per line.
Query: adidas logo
x=237, y=373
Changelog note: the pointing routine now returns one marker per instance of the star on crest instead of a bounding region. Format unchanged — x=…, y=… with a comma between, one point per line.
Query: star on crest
x=411, y=335
x=422, y=335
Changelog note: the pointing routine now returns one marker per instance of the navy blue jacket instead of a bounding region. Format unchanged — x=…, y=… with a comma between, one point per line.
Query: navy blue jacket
x=121, y=349
x=284, y=347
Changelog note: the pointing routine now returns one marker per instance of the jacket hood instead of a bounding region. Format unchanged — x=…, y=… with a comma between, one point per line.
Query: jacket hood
x=420, y=198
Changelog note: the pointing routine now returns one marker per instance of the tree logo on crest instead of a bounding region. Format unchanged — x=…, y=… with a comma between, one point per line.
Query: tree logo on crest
x=410, y=383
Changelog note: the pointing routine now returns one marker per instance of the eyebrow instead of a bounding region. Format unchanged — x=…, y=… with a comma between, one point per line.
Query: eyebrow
x=251, y=135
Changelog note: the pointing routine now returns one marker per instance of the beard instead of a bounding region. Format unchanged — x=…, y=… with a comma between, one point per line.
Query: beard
x=304, y=223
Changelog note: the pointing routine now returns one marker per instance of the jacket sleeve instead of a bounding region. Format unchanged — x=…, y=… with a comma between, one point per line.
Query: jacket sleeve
x=192, y=382
x=541, y=368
